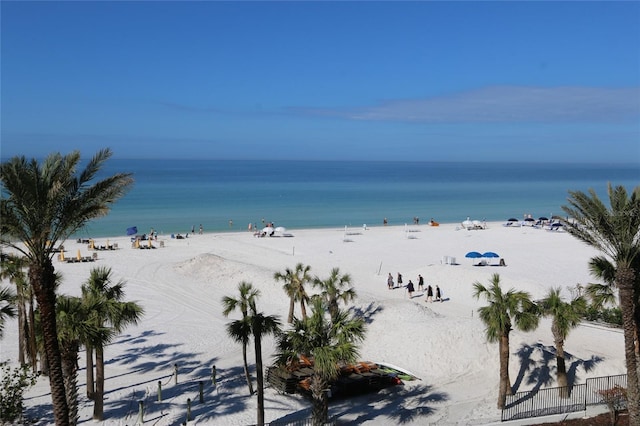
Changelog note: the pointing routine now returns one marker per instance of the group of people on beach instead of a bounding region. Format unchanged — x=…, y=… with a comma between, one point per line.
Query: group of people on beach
x=410, y=287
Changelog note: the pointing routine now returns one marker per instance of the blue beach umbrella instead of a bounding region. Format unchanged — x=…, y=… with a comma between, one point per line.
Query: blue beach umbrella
x=132, y=231
x=473, y=255
x=490, y=254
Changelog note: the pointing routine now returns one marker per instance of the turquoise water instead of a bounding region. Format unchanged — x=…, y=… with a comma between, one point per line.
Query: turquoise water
x=171, y=196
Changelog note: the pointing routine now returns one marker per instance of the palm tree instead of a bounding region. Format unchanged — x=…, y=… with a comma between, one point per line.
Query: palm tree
x=565, y=316
x=602, y=294
x=294, y=282
x=253, y=323
x=7, y=306
x=13, y=269
x=261, y=325
x=333, y=290
x=74, y=327
x=107, y=310
x=44, y=204
x=513, y=308
x=69, y=318
x=615, y=232
x=328, y=342
x=241, y=330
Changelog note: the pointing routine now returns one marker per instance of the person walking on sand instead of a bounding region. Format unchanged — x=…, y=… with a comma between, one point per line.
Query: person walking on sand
x=429, y=293
x=420, y=283
x=390, y=281
x=438, y=295
x=410, y=289
x=399, y=279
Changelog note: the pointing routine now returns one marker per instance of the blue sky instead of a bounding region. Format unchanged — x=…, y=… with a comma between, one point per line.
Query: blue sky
x=427, y=81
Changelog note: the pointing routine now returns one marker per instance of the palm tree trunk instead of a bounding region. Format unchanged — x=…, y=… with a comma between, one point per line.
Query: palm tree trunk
x=98, y=400
x=333, y=308
x=563, y=383
x=303, y=309
x=505, y=382
x=42, y=278
x=91, y=385
x=32, y=352
x=22, y=331
x=246, y=368
x=320, y=403
x=257, y=341
x=637, y=328
x=70, y=372
x=625, y=277
x=292, y=305
x=44, y=364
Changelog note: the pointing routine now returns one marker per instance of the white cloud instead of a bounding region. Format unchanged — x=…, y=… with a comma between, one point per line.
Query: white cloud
x=503, y=104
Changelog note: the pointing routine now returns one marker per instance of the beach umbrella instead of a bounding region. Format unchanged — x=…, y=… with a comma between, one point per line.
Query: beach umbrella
x=132, y=230
x=512, y=219
x=542, y=218
x=79, y=256
x=490, y=254
x=473, y=255
x=529, y=219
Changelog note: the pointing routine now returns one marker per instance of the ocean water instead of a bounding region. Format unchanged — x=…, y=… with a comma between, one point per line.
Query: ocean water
x=172, y=196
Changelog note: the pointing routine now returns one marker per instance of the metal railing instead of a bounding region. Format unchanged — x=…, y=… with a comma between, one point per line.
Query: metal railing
x=559, y=400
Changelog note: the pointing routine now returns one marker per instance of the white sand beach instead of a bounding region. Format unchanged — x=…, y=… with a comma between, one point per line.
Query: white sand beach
x=181, y=285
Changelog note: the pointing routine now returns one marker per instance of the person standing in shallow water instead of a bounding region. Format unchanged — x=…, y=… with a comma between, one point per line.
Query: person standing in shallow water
x=390, y=281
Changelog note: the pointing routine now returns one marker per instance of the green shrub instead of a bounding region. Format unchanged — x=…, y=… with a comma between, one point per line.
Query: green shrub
x=592, y=313
x=612, y=316
x=14, y=382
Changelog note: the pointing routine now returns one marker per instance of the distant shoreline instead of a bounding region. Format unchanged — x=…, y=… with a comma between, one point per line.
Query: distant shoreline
x=456, y=226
